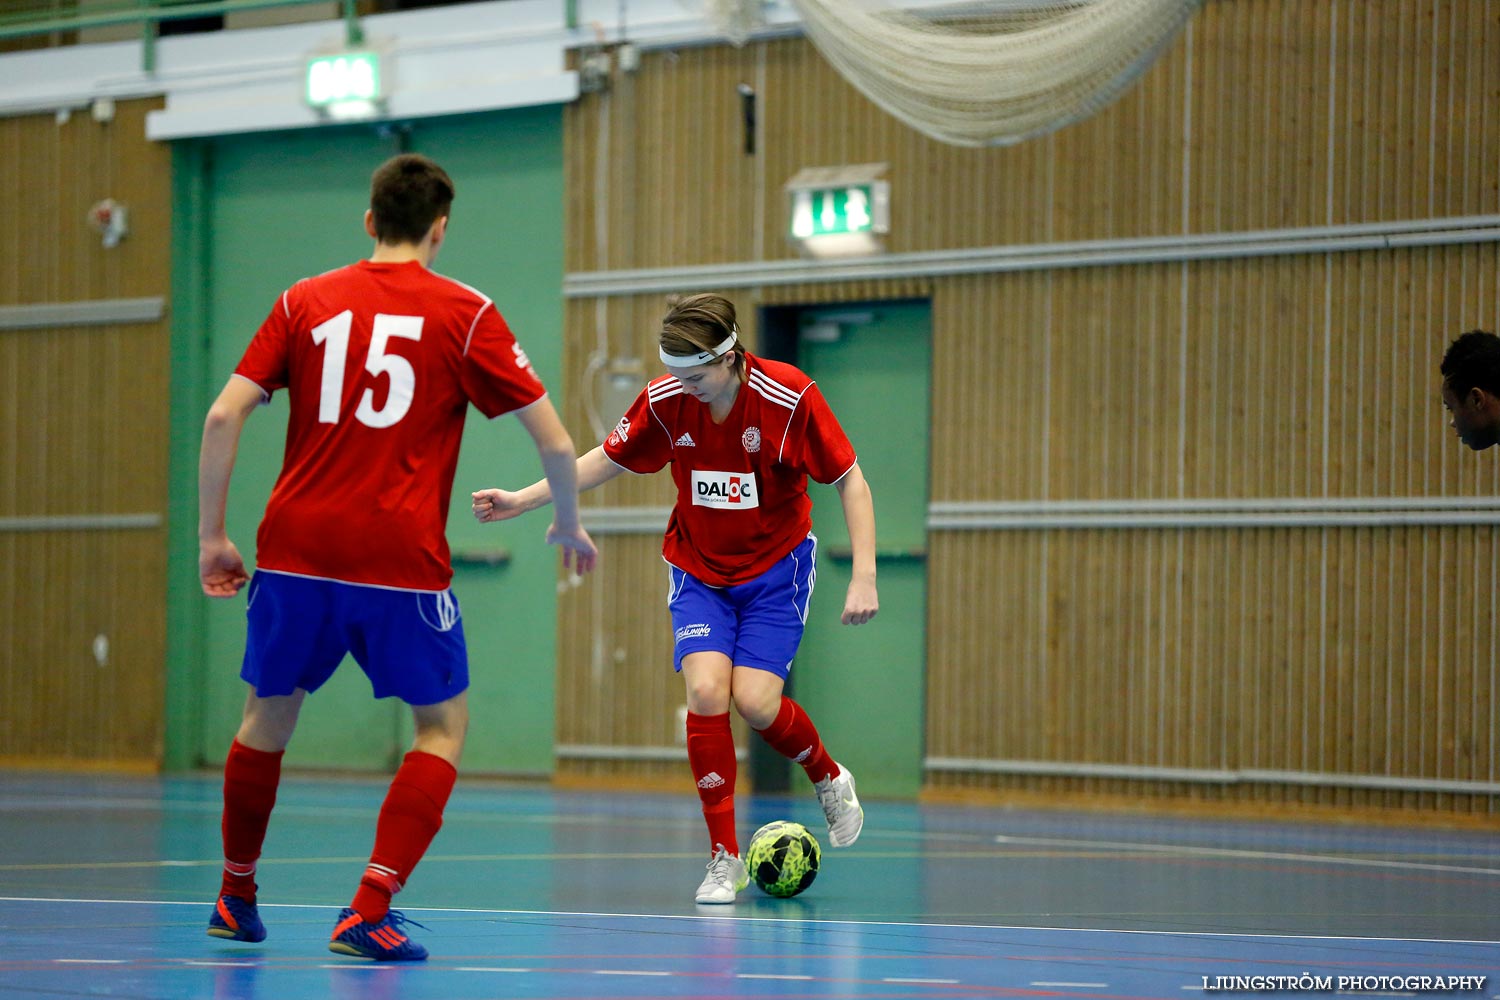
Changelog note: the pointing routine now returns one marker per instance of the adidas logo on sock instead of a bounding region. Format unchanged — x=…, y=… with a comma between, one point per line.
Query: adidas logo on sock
x=710, y=780
x=686, y=441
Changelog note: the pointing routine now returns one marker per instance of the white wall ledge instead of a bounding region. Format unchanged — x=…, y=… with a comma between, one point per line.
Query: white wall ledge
x=440, y=61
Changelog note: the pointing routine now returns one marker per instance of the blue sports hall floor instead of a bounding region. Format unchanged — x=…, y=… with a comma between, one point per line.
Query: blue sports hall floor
x=106, y=884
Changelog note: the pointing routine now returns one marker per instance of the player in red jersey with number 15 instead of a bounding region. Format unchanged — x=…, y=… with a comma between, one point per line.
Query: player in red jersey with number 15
x=742, y=435
x=380, y=361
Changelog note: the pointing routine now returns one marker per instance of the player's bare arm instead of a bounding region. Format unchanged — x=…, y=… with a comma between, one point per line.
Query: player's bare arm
x=555, y=448
x=862, y=601
x=591, y=469
x=220, y=567
x=563, y=479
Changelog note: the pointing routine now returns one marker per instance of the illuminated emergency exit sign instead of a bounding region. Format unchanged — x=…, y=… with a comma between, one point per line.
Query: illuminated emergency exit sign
x=346, y=85
x=839, y=211
x=827, y=211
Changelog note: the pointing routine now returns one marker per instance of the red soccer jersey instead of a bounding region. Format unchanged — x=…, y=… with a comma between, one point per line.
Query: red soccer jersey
x=742, y=500
x=380, y=362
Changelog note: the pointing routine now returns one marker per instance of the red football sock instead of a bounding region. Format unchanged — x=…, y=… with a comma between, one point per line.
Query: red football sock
x=795, y=737
x=409, y=819
x=710, y=746
x=250, y=780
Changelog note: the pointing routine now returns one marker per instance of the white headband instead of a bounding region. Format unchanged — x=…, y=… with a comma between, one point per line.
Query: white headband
x=702, y=357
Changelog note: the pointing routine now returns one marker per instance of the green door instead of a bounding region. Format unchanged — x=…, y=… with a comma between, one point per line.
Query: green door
x=277, y=207
x=864, y=686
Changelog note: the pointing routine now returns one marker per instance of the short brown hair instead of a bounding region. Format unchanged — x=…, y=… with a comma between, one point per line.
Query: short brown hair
x=408, y=193
x=700, y=322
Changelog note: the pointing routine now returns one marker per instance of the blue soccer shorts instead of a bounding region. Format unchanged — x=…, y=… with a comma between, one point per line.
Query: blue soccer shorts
x=758, y=623
x=409, y=643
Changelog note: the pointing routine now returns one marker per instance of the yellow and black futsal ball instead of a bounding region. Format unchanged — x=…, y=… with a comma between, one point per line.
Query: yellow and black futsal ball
x=783, y=858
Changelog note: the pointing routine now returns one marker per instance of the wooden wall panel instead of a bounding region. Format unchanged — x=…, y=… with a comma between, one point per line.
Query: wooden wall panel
x=81, y=413
x=618, y=663
x=61, y=590
x=616, y=684
x=1266, y=114
x=1390, y=316
x=1258, y=649
x=83, y=434
x=56, y=171
x=1340, y=649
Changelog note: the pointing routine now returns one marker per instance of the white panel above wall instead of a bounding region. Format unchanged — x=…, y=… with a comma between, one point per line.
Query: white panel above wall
x=457, y=59
x=440, y=61
x=496, y=63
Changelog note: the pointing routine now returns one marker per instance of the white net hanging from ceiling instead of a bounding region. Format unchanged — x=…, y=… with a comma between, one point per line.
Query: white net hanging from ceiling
x=981, y=75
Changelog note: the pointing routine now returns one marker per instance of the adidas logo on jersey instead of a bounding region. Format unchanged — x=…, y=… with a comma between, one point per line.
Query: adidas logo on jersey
x=686, y=441
x=710, y=780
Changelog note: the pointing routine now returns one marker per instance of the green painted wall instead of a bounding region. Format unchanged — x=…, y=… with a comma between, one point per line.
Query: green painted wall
x=256, y=213
x=865, y=686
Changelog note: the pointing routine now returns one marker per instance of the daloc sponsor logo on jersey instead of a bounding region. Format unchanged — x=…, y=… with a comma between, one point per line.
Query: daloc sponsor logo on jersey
x=726, y=490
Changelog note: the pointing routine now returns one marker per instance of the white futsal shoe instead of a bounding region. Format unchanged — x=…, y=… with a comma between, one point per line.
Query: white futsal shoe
x=726, y=877
x=841, y=808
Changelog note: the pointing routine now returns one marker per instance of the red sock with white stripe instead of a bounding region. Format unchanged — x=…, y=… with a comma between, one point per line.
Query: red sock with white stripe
x=794, y=736
x=409, y=819
x=250, y=781
x=710, y=746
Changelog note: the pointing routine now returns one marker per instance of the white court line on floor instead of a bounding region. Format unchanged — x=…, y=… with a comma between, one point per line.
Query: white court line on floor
x=359, y=966
x=1152, y=850
x=62, y=866
x=1242, y=854
x=768, y=975
x=908, y=924
x=223, y=965
x=212, y=805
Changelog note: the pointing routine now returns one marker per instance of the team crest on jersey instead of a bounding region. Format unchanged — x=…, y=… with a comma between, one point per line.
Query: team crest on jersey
x=621, y=433
x=725, y=490
x=751, y=439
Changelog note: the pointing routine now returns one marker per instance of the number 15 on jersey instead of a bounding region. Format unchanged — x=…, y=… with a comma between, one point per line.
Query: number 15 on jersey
x=333, y=335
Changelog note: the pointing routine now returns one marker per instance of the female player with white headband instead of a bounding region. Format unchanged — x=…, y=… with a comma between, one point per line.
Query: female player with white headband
x=742, y=435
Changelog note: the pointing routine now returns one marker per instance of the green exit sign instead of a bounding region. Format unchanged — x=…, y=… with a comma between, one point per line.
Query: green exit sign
x=840, y=211
x=828, y=211
x=345, y=84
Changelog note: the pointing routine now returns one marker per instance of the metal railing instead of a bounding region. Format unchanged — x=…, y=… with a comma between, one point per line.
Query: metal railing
x=150, y=14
